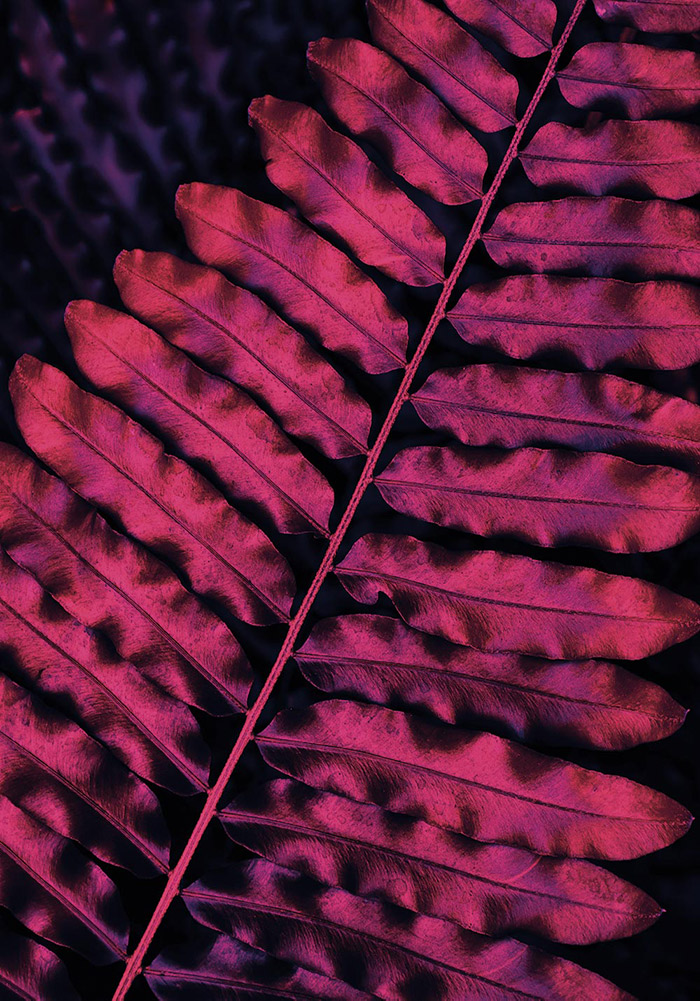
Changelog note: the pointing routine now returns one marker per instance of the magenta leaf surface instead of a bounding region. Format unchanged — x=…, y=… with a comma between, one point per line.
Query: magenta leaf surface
x=269, y=906
x=593, y=703
x=256, y=451
x=453, y=64
x=598, y=321
x=491, y=889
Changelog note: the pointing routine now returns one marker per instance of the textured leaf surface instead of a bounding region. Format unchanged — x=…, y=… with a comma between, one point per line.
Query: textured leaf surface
x=211, y=421
x=232, y=971
x=56, y=891
x=652, y=15
x=598, y=321
x=591, y=703
x=639, y=80
x=376, y=99
x=394, y=846
x=484, y=786
x=654, y=158
x=491, y=889
x=235, y=334
x=467, y=77
x=601, y=236
x=524, y=28
x=115, y=463
x=305, y=276
x=108, y=582
x=338, y=188
x=31, y=972
x=153, y=734
x=52, y=769
x=545, y=496
x=377, y=948
x=508, y=406
x=496, y=601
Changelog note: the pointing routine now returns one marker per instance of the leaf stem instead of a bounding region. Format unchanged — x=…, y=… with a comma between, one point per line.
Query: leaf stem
x=177, y=874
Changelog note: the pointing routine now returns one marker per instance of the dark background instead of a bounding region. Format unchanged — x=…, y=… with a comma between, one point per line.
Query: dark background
x=105, y=109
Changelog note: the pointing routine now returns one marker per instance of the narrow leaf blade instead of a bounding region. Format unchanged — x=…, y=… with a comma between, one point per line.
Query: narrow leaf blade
x=119, y=466
x=546, y=497
x=150, y=732
x=598, y=321
x=376, y=99
x=509, y=406
x=600, y=236
x=211, y=421
x=453, y=64
x=373, y=946
x=31, y=972
x=587, y=703
x=110, y=583
x=56, y=891
x=496, y=601
x=338, y=188
x=641, y=81
x=230, y=966
x=651, y=158
x=524, y=28
x=490, y=889
x=480, y=785
x=652, y=15
x=233, y=333
x=56, y=772
x=308, y=279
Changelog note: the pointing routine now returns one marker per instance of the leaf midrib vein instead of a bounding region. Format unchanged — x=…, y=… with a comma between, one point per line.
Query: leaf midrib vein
x=354, y=752
x=540, y=499
x=344, y=197
x=197, y=418
x=227, y=332
x=113, y=586
x=420, y=585
x=249, y=585
x=479, y=679
x=235, y=815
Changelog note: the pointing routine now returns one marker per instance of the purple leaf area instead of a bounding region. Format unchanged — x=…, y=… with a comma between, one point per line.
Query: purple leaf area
x=113, y=462
x=491, y=889
x=636, y=80
x=598, y=321
x=339, y=189
x=475, y=783
x=379, y=659
x=378, y=100
x=35, y=862
x=450, y=61
x=651, y=15
x=347, y=605
x=545, y=496
x=599, y=236
x=264, y=904
x=73, y=784
x=652, y=158
x=507, y=406
x=229, y=965
x=206, y=416
x=228, y=329
x=524, y=28
x=112, y=584
x=498, y=601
